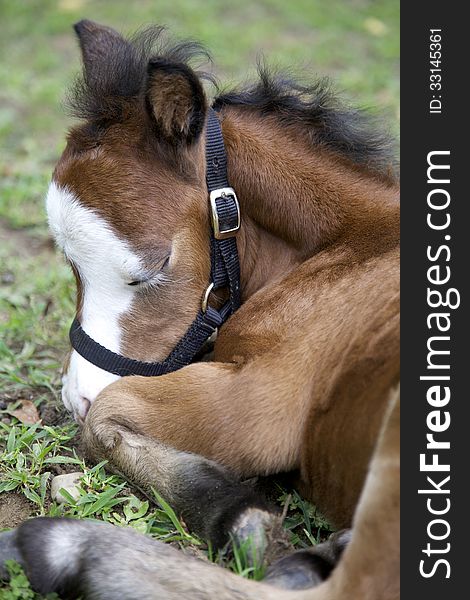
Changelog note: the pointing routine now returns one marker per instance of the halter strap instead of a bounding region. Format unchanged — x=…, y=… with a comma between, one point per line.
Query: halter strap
x=225, y=272
x=225, y=213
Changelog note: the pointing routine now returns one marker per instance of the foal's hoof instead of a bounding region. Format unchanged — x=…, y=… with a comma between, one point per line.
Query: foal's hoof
x=308, y=568
x=298, y=571
x=262, y=535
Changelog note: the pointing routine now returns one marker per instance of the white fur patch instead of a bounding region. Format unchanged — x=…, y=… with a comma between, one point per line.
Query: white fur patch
x=63, y=551
x=106, y=265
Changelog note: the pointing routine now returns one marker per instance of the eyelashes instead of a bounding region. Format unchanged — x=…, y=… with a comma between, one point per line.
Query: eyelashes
x=154, y=278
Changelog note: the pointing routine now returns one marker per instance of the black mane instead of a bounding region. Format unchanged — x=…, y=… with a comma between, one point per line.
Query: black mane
x=350, y=132
x=316, y=107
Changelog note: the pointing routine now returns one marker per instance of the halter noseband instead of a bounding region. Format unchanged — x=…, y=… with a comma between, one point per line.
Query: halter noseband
x=225, y=273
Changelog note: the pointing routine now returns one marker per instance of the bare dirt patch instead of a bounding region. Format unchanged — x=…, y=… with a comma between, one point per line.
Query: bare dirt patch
x=14, y=509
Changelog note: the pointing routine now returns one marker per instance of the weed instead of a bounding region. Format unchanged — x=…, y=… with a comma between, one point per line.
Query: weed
x=246, y=562
x=305, y=524
x=27, y=453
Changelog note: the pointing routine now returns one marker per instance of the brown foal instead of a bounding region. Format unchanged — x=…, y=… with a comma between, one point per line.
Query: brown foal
x=302, y=374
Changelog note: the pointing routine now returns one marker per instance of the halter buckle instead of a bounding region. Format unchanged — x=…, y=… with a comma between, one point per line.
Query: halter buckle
x=225, y=214
x=205, y=298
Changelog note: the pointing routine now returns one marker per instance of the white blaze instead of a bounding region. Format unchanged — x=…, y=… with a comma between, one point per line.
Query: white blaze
x=105, y=264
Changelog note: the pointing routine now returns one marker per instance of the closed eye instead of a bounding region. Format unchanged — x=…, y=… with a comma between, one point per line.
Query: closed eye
x=149, y=279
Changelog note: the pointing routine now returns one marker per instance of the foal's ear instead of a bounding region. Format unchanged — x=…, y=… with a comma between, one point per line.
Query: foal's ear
x=97, y=43
x=176, y=101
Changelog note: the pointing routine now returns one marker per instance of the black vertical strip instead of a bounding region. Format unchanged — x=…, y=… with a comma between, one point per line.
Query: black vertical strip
x=225, y=264
x=443, y=562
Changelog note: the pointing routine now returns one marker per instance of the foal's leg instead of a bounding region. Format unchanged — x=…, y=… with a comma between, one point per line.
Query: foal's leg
x=106, y=562
x=242, y=417
x=209, y=497
x=98, y=561
x=308, y=568
x=145, y=428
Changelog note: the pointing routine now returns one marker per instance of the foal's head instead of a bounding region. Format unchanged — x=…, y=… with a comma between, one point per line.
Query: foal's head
x=128, y=201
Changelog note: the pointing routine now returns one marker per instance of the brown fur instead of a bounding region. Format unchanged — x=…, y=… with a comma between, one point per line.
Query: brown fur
x=303, y=370
x=171, y=101
x=316, y=239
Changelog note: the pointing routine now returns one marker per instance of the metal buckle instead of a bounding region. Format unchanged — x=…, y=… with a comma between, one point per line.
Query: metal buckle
x=204, y=304
x=205, y=297
x=213, y=196
x=211, y=339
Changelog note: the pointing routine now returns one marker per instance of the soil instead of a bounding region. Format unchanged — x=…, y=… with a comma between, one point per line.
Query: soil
x=14, y=509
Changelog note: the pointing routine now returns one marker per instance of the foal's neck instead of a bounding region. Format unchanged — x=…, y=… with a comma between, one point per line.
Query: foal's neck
x=297, y=199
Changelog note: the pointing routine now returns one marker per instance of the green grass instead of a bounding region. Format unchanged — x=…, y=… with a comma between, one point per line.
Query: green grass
x=354, y=41
x=28, y=453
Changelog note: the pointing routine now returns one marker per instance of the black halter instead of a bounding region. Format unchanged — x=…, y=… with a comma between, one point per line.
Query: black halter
x=225, y=273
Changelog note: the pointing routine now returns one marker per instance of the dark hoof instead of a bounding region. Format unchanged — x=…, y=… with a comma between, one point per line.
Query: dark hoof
x=308, y=568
